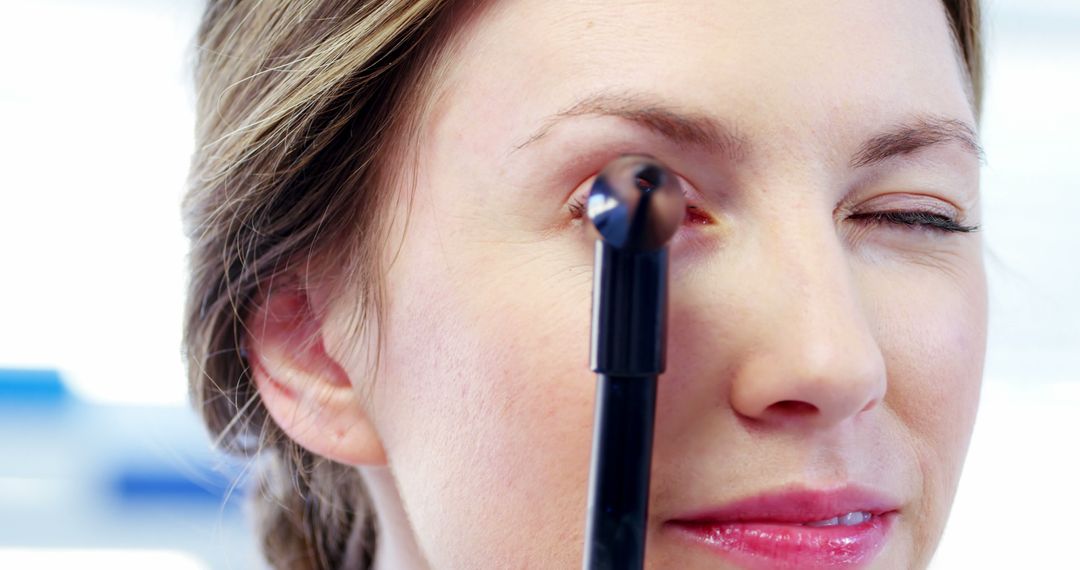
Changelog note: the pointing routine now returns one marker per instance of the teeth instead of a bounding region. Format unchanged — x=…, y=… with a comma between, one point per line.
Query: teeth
x=849, y=519
x=829, y=522
x=854, y=518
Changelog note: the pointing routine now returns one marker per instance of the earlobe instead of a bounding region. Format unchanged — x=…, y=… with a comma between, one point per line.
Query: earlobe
x=307, y=393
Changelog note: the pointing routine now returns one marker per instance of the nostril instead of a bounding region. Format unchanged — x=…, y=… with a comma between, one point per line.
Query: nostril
x=794, y=408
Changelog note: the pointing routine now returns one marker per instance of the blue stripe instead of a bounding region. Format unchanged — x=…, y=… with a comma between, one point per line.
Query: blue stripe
x=141, y=485
x=32, y=386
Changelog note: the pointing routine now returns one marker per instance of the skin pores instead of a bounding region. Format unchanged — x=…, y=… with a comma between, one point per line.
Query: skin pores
x=808, y=346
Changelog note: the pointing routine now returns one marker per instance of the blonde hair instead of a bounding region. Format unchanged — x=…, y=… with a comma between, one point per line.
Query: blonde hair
x=299, y=106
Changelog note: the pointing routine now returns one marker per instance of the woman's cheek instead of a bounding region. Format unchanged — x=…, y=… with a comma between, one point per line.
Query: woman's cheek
x=931, y=324
x=487, y=404
x=931, y=327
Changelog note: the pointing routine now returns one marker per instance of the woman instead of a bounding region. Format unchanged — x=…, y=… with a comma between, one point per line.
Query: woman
x=391, y=277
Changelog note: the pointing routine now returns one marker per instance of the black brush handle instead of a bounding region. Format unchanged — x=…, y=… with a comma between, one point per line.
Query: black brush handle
x=619, y=481
x=636, y=206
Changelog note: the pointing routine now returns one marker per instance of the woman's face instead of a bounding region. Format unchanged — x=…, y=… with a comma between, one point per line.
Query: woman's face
x=814, y=344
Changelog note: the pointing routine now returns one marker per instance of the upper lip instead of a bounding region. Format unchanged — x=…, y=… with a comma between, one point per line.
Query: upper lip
x=796, y=505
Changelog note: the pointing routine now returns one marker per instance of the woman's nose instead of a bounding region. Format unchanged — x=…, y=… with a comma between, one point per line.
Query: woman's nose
x=808, y=353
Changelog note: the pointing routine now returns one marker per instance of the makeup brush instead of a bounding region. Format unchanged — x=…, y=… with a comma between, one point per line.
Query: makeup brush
x=636, y=206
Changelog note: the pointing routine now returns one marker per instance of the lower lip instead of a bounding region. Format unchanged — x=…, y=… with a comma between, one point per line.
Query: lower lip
x=779, y=546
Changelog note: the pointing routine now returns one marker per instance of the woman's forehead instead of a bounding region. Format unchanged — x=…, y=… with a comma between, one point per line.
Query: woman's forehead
x=803, y=73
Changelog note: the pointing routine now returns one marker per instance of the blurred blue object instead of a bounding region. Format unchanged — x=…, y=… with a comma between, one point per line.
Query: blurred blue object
x=124, y=478
x=164, y=484
x=36, y=387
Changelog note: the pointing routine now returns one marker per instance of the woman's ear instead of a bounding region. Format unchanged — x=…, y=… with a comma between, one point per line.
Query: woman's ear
x=306, y=391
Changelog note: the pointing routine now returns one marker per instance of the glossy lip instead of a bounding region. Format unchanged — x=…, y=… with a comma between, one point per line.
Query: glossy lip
x=767, y=531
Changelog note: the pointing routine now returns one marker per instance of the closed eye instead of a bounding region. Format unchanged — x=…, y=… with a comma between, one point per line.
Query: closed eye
x=914, y=219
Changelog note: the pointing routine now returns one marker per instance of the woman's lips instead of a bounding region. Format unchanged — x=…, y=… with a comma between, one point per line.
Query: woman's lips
x=802, y=529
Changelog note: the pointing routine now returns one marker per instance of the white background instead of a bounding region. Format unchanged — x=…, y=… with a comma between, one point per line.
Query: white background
x=95, y=134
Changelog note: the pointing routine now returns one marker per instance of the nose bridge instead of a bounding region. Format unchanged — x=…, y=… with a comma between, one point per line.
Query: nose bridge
x=811, y=354
x=815, y=292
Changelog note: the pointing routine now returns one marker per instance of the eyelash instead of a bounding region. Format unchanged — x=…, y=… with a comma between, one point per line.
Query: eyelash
x=913, y=219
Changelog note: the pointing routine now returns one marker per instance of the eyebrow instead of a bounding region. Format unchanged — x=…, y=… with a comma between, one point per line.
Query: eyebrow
x=921, y=132
x=681, y=127
x=707, y=132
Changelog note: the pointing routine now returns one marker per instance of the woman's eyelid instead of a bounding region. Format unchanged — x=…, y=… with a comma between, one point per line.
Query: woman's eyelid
x=909, y=202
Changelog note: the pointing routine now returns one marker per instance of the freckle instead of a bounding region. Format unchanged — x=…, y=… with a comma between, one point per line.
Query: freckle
x=589, y=24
